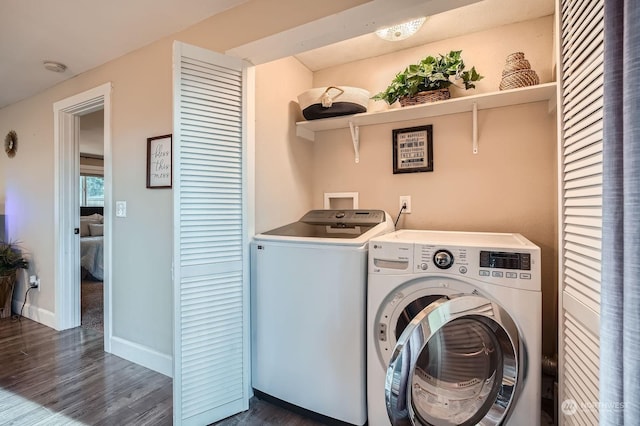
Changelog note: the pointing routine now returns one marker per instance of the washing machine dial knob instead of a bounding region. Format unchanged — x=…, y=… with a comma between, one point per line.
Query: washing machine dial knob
x=443, y=259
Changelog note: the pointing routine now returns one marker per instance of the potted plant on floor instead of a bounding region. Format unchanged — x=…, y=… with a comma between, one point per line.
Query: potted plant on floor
x=429, y=80
x=10, y=261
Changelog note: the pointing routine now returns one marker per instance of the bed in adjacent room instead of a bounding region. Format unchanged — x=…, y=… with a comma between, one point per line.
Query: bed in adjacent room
x=92, y=243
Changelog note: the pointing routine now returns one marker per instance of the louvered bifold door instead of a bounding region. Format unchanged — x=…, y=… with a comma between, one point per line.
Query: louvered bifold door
x=210, y=247
x=581, y=47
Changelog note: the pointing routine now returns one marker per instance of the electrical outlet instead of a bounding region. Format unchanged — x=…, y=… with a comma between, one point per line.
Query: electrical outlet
x=405, y=200
x=34, y=281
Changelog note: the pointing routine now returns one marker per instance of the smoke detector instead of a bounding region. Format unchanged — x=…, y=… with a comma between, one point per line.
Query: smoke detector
x=54, y=66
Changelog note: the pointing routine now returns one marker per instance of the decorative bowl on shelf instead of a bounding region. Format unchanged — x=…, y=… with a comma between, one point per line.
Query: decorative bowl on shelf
x=333, y=101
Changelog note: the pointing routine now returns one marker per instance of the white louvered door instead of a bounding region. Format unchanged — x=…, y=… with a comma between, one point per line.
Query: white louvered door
x=211, y=352
x=582, y=57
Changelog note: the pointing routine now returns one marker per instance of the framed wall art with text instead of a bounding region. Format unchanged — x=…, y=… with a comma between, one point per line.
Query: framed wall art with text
x=413, y=149
x=159, y=162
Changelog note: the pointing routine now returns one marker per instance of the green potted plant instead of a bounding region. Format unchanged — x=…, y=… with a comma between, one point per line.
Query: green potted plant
x=429, y=80
x=10, y=261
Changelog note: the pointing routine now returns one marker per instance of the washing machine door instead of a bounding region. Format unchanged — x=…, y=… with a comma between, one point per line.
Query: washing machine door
x=456, y=363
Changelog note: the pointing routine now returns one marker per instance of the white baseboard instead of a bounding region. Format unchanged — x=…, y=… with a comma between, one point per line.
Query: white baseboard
x=142, y=355
x=35, y=313
x=134, y=352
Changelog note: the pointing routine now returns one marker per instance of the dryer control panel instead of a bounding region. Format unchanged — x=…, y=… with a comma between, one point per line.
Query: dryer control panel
x=517, y=265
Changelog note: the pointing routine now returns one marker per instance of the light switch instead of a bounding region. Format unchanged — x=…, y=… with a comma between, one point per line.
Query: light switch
x=121, y=209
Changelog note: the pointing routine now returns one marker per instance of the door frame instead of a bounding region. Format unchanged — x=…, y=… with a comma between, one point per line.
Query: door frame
x=66, y=122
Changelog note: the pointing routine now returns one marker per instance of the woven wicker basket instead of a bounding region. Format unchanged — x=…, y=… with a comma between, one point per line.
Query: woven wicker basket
x=515, y=56
x=517, y=65
x=520, y=78
x=424, y=97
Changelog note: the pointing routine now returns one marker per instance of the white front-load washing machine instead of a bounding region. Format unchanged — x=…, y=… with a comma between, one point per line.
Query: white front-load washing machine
x=308, y=313
x=454, y=329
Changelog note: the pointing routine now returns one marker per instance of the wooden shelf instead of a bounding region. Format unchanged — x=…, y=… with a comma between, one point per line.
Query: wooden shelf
x=538, y=93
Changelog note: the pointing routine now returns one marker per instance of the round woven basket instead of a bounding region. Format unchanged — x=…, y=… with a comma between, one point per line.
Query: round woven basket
x=520, y=78
x=515, y=56
x=424, y=97
x=516, y=65
x=517, y=72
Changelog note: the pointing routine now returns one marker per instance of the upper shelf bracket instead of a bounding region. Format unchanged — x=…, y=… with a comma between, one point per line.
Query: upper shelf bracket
x=355, y=137
x=475, y=128
x=484, y=101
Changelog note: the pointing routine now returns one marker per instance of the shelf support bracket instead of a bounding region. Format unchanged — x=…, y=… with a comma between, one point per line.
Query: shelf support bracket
x=475, y=128
x=355, y=137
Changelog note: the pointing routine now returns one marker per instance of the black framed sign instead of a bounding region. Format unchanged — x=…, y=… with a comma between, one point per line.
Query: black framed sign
x=413, y=149
x=159, y=159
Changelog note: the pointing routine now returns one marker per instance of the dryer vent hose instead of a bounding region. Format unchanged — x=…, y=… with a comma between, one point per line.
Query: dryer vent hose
x=550, y=365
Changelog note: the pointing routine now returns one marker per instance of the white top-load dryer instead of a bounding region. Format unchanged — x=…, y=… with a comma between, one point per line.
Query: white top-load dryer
x=454, y=329
x=308, y=317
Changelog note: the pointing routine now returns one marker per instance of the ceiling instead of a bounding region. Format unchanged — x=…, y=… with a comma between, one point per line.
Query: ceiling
x=464, y=20
x=84, y=34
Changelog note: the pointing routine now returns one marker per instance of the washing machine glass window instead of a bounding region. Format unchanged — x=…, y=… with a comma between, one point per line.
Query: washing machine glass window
x=456, y=363
x=401, y=306
x=411, y=310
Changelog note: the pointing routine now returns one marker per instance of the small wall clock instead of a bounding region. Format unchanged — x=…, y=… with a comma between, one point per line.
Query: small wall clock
x=11, y=143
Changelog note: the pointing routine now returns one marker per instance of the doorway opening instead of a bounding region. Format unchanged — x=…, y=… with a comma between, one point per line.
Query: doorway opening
x=67, y=137
x=91, y=211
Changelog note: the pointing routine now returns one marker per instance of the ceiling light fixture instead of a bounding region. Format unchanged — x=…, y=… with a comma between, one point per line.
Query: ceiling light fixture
x=54, y=66
x=401, y=31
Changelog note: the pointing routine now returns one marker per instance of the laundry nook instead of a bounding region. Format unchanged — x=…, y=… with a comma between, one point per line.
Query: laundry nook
x=347, y=212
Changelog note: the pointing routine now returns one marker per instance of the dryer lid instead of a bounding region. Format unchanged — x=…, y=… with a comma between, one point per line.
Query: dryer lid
x=343, y=224
x=457, y=363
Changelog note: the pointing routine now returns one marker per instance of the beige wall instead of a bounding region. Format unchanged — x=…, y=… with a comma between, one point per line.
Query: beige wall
x=92, y=133
x=283, y=164
x=509, y=186
x=141, y=107
x=286, y=166
x=26, y=189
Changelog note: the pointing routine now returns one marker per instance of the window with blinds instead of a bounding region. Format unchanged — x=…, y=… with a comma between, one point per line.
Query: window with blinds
x=581, y=85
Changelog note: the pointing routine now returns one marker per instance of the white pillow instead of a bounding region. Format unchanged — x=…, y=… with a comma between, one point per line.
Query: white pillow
x=96, y=229
x=85, y=221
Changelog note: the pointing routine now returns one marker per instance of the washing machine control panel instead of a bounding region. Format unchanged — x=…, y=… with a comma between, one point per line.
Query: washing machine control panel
x=435, y=258
x=496, y=265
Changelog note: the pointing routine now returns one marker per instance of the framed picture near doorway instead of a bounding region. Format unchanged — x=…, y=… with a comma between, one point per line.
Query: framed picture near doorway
x=159, y=162
x=413, y=149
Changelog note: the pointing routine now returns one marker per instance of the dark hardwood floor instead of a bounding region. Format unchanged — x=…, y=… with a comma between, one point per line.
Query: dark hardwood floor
x=265, y=414
x=65, y=378
x=55, y=378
